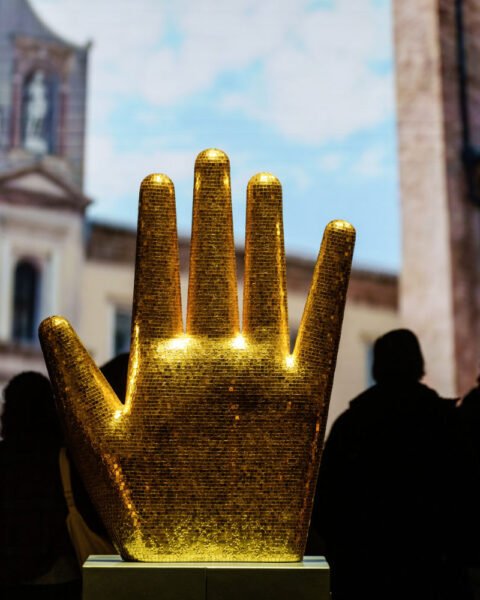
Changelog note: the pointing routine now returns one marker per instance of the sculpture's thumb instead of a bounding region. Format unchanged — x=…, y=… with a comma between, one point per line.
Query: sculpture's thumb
x=91, y=402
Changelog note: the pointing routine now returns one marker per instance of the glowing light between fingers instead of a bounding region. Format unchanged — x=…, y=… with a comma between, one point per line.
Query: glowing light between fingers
x=290, y=361
x=239, y=342
x=117, y=414
x=178, y=343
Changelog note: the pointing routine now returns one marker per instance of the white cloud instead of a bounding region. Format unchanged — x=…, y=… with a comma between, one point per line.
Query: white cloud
x=331, y=161
x=316, y=83
x=115, y=174
x=371, y=163
x=324, y=87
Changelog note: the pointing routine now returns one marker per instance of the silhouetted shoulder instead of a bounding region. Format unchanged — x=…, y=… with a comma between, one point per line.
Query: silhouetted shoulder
x=397, y=395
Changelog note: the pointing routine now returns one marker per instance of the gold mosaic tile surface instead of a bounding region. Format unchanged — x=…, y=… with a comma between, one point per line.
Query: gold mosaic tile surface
x=214, y=456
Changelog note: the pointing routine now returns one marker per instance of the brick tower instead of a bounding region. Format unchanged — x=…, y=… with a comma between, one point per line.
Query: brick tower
x=42, y=95
x=437, y=46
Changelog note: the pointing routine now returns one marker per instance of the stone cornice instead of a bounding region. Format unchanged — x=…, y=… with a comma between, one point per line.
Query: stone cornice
x=20, y=350
x=74, y=199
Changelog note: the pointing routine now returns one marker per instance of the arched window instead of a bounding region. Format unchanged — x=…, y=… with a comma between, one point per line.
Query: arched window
x=26, y=298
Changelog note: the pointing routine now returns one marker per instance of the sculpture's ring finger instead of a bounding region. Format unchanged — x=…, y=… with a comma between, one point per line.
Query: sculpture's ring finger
x=265, y=315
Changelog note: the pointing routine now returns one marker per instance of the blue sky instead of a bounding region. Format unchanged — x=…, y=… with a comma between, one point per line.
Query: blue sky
x=300, y=88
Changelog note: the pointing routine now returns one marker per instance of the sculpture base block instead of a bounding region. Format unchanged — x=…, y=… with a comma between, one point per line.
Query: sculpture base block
x=110, y=578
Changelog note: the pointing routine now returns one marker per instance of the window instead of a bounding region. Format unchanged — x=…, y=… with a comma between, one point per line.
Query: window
x=121, y=331
x=369, y=363
x=26, y=298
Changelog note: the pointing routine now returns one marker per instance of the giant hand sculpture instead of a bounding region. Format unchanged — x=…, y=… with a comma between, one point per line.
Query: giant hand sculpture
x=214, y=455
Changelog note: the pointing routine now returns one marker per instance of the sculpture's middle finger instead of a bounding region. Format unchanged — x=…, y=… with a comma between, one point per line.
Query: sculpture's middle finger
x=212, y=292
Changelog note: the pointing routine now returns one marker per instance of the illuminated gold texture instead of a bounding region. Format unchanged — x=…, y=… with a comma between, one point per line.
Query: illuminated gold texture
x=157, y=306
x=215, y=454
x=212, y=290
x=265, y=312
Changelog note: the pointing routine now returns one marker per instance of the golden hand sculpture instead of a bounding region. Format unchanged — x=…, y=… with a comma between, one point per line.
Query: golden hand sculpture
x=214, y=455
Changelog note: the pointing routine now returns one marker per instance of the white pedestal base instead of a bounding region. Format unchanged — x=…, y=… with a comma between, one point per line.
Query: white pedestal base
x=110, y=578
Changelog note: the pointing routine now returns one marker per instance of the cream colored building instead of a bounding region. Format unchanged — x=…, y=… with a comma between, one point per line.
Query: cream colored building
x=53, y=260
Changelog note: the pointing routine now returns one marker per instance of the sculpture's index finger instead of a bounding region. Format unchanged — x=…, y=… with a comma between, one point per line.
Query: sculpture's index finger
x=212, y=290
x=319, y=333
x=157, y=311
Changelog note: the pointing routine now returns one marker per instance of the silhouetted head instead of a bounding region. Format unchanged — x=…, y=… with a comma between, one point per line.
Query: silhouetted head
x=115, y=372
x=29, y=415
x=397, y=356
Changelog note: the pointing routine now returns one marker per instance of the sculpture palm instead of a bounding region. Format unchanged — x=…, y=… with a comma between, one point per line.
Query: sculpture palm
x=215, y=453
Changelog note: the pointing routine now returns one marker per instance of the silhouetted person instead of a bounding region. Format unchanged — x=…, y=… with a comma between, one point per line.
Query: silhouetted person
x=382, y=503
x=469, y=411
x=37, y=559
x=115, y=372
x=469, y=417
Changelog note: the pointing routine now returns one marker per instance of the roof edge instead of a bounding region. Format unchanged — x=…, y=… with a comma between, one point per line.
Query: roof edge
x=83, y=47
x=40, y=169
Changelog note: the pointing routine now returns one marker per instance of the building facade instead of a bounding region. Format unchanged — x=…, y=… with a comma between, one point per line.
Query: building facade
x=54, y=260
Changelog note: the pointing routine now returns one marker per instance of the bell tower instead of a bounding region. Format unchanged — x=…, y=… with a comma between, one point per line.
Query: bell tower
x=437, y=51
x=42, y=95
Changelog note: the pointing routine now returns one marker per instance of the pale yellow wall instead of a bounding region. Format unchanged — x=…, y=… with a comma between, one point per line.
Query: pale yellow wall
x=15, y=364
x=362, y=324
x=104, y=287
x=54, y=241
